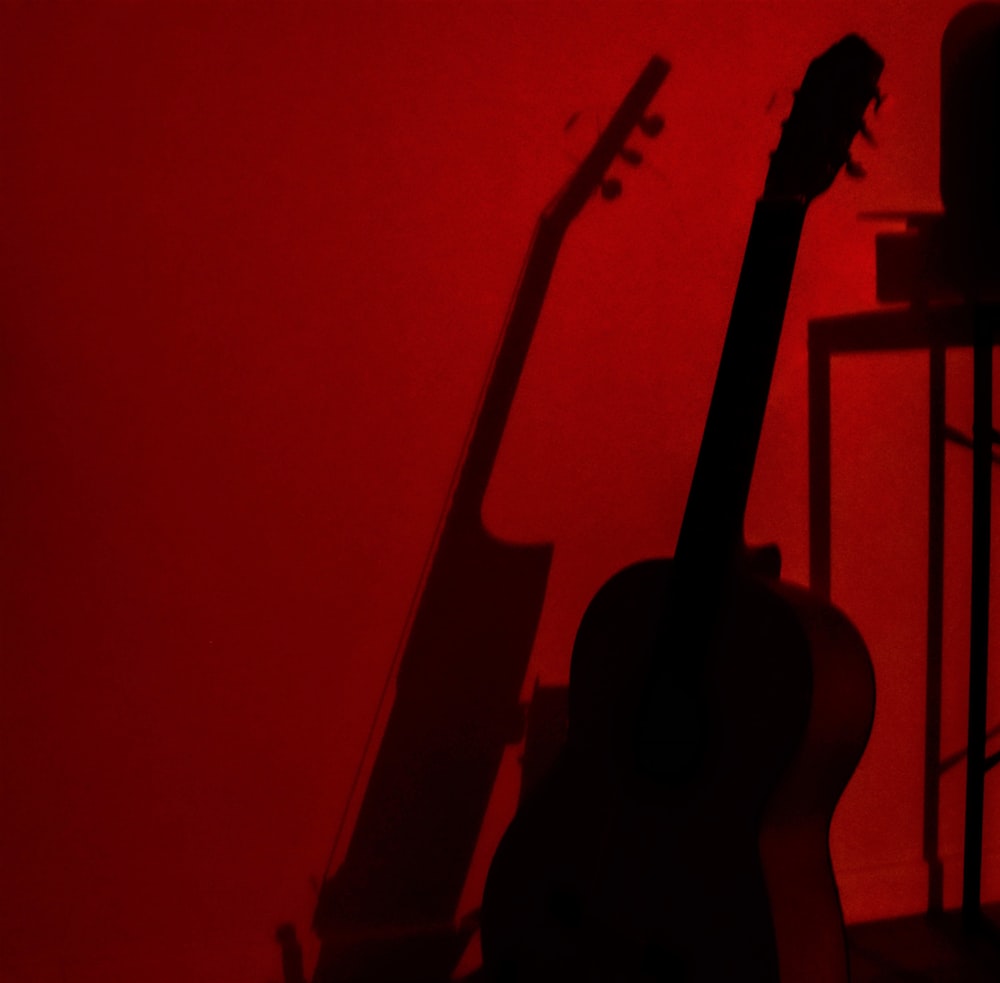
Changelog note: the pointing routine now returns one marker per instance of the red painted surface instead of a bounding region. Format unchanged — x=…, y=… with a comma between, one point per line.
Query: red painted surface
x=254, y=264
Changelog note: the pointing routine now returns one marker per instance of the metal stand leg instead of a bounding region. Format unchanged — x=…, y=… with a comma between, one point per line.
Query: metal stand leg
x=982, y=435
x=935, y=626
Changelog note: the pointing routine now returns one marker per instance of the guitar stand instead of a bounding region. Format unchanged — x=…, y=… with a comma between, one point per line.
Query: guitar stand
x=902, y=264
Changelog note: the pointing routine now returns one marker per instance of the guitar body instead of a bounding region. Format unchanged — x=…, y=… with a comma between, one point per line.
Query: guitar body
x=723, y=874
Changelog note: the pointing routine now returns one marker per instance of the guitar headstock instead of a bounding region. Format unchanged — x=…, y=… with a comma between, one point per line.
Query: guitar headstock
x=828, y=113
x=631, y=115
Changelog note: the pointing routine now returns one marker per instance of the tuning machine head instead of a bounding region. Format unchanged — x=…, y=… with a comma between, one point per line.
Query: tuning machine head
x=611, y=188
x=652, y=125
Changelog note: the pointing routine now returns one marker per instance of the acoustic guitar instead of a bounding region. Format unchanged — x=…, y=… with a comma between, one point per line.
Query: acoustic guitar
x=715, y=714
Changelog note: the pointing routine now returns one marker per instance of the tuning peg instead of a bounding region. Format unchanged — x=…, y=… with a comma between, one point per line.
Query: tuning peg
x=611, y=188
x=630, y=156
x=652, y=125
x=866, y=134
x=880, y=97
x=853, y=168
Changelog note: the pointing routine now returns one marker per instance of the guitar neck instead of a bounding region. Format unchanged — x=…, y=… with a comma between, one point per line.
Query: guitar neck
x=712, y=529
x=711, y=535
x=815, y=144
x=495, y=403
x=505, y=373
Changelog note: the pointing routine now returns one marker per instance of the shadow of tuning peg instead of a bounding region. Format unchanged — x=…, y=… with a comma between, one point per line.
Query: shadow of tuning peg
x=652, y=125
x=630, y=156
x=611, y=188
x=854, y=169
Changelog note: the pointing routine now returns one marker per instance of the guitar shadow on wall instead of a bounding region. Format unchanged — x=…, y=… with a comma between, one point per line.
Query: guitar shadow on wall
x=388, y=912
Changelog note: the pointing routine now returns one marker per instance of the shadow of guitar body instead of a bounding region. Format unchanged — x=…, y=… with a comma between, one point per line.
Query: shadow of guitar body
x=388, y=912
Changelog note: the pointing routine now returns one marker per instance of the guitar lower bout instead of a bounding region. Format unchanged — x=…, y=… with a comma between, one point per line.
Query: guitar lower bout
x=606, y=875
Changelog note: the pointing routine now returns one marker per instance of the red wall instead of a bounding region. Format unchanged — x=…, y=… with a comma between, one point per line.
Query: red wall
x=254, y=262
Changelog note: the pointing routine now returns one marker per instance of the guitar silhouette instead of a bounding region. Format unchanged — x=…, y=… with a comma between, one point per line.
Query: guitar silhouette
x=715, y=714
x=388, y=912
